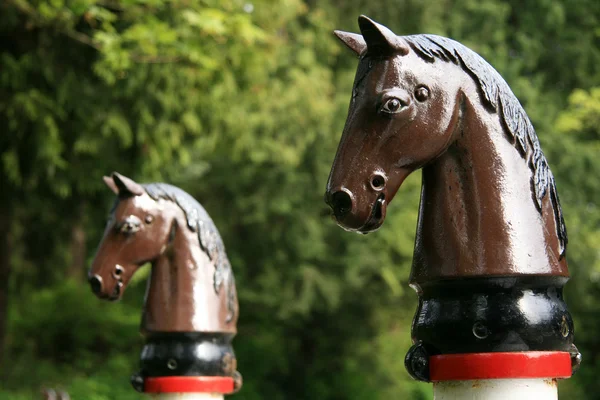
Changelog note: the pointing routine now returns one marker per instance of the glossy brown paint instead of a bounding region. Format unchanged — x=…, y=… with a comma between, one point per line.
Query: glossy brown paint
x=181, y=294
x=478, y=214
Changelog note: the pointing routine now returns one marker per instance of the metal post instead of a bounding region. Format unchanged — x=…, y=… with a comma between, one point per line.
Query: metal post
x=503, y=375
x=187, y=387
x=188, y=396
x=496, y=389
x=469, y=332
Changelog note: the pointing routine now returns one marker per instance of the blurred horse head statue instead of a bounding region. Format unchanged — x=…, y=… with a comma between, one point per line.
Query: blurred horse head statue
x=191, y=276
x=191, y=309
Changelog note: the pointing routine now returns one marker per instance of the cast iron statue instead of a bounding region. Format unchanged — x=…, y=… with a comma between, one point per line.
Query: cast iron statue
x=191, y=306
x=489, y=260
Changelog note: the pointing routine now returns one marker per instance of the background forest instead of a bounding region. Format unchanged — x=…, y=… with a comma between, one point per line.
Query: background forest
x=242, y=104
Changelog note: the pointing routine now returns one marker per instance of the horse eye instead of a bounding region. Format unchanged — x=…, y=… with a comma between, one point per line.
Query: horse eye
x=149, y=219
x=392, y=105
x=130, y=225
x=421, y=93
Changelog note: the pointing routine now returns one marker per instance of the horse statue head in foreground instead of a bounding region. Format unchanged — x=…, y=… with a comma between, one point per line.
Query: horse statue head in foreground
x=490, y=218
x=191, y=306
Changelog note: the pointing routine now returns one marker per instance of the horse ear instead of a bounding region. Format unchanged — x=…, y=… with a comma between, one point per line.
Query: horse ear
x=111, y=184
x=380, y=40
x=354, y=41
x=127, y=187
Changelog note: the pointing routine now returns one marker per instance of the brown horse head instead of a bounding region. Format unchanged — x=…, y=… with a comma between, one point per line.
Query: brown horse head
x=162, y=225
x=489, y=202
x=190, y=307
x=491, y=240
x=403, y=114
x=137, y=232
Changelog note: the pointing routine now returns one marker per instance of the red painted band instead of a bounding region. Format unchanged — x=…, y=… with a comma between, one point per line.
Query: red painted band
x=189, y=384
x=528, y=364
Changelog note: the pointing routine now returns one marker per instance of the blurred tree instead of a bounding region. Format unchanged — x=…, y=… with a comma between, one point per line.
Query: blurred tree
x=575, y=147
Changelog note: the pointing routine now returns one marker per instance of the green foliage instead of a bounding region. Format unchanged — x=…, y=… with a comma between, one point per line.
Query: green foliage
x=575, y=148
x=242, y=104
x=71, y=336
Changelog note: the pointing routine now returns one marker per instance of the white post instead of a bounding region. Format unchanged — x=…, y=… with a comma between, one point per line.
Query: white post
x=496, y=389
x=188, y=396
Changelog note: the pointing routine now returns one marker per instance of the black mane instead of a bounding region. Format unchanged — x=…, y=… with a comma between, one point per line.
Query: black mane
x=210, y=240
x=499, y=97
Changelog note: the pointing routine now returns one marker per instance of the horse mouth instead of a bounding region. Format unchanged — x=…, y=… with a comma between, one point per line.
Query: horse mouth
x=116, y=294
x=377, y=216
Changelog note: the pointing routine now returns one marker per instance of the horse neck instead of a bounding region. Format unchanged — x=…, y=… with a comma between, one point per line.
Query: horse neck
x=180, y=295
x=477, y=215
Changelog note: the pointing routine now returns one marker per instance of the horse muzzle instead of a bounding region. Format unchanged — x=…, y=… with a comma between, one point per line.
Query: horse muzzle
x=96, y=284
x=351, y=216
x=98, y=288
x=377, y=215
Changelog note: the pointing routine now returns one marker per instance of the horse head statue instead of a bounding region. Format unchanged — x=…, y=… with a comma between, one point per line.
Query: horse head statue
x=191, y=306
x=490, y=215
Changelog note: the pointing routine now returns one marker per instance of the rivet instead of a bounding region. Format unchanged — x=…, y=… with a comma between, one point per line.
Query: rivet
x=564, y=327
x=480, y=331
x=171, y=364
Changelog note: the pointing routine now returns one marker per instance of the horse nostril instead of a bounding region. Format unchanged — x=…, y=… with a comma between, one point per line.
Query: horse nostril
x=341, y=202
x=118, y=272
x=96, y=284
x=378, y=182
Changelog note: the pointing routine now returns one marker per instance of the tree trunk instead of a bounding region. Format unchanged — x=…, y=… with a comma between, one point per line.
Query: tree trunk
x=77, y=247
x=5, y=268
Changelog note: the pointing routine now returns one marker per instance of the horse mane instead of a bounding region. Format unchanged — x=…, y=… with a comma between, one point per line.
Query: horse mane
x=209, y=238
x=498, y=96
